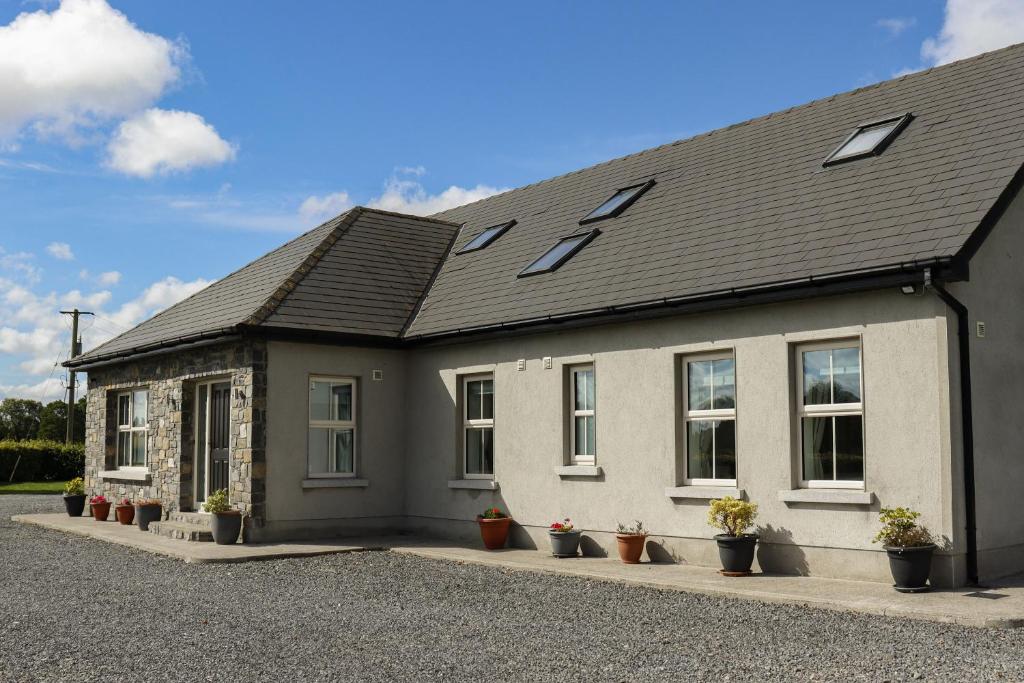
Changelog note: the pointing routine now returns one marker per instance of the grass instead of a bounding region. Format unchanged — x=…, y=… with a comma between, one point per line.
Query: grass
x=27, y=487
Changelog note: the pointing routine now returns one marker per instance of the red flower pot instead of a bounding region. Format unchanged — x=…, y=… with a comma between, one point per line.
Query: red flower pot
x=125, y=514
x=494, y=532
x=631, y=547
x=100, y=511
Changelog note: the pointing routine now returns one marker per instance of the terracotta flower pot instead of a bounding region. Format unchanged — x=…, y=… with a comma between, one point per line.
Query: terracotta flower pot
x=100, y=511
x=494, y=532
x=631, y=547
x=125, y=514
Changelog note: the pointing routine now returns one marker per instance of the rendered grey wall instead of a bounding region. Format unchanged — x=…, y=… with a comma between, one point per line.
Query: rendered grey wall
x=291, y=508
x=908, y=452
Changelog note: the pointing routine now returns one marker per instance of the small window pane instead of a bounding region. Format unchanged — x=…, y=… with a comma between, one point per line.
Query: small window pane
x=342, y=402
x=138, y=449
x=585, y=435
x=124, y=449
x=319, y=450
x=474, y=402
x=849, y=448
x=725, y=449
x=584, y=399
x=817, y=380
x=554, y=254
x=724, y=383
x=479, y=451
x=139, y=400
x=487, y=399
x=817, y=445
x=343, y=451
x=700, y=385
x=124, y=410
x=846, y=375
x=699, y=449
x=614, y=202
x=486, y=237
x=319, y=400
x=865, y=140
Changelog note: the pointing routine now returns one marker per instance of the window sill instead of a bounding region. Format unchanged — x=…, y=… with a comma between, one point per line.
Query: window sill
x=704, y=492
x=834, y=496
x=579, y=471
x=136, y=474
x=335, y=483
x=473, y=484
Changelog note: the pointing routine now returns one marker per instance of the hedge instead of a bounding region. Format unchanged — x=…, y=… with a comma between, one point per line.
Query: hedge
x=41, y=460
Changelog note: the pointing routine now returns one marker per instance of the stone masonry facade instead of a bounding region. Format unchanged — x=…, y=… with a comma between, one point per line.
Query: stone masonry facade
x=171, y=380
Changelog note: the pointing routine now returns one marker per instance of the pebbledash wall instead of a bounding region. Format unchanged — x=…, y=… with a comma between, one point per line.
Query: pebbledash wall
x=171, y=381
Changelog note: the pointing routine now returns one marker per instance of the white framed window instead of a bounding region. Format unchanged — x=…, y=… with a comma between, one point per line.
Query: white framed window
x=132, y=427
x=709, y=414
x=332, y=427
x=583, y=409
x=830, y=404
x=478, y=427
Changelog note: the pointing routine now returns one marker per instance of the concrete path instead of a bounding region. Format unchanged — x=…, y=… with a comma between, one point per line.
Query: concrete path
x=1000, y=605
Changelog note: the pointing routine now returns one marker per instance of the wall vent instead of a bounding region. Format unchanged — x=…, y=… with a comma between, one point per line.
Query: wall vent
x=378, y=375
x=981, y=329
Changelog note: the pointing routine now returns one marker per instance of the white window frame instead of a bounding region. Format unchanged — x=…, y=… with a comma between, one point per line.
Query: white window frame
x=828, y=410
x=703, y=415
x=468, y=424
x=131, y=430
x=334, y=424
x=575, y=459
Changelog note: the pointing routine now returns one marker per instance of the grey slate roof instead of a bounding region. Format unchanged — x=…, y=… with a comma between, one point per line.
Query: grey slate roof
x=744, y=207
x=361, y=273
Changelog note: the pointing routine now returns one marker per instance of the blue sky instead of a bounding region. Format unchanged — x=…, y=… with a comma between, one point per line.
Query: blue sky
x=147, y=148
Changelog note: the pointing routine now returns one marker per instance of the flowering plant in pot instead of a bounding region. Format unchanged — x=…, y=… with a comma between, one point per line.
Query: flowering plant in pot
x=125, y=512
x=910, y=547
x=227, y=522
x=100, y=507
x=494, y=526
x=735, y=546
x=74, y=497
x=565, y=538
x=630, y=538
x=146, y=511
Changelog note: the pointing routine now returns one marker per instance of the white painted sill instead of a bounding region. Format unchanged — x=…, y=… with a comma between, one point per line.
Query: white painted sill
x=828, y=496
x=136, y=474
x=474, y=484
x=704, y=492
x=339, y=483
x=578, y=471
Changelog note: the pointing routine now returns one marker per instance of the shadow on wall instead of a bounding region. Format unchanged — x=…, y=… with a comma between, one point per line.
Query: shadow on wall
x=776, y=552
x=591, y=548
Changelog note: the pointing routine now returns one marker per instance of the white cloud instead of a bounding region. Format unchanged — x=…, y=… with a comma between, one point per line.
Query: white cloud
x=896, y=25
x=404, y=195
x=78, y=66
x=315, y=209
x=20, y=263
x=109, y=278
x=60, y=250
x=162, y=141
x=50, y=389
x=975, y=26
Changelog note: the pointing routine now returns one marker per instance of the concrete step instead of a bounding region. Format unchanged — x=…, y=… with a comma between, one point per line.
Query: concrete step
x=194, y=518
x=182, y=531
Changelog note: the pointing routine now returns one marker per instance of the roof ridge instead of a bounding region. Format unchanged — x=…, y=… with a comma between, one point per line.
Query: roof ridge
x=762, y=117
x=413, y=216
x=344, y=222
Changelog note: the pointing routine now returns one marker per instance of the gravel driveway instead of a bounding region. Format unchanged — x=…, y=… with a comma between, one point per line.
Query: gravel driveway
x=79, y=609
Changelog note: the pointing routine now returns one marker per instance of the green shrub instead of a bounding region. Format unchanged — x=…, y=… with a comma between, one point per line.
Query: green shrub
x=217, y=502
x=901, y=530
x=731, y=515
x=75, y=487
x=41, y=460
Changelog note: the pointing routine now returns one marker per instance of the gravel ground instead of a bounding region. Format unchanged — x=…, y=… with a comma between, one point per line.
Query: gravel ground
x=78, y=609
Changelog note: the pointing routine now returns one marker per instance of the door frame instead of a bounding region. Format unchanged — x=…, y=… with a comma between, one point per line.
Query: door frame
x=205, y=386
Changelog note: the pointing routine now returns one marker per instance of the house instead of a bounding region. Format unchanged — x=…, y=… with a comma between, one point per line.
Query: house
x=817, y=310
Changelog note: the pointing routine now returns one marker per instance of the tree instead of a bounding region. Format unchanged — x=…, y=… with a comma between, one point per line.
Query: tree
x=19, y=418
x=53, y=421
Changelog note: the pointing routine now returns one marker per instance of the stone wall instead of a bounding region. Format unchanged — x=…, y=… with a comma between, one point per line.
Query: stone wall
x=171, y=380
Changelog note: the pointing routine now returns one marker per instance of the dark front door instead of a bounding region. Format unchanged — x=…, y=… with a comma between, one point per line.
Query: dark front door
x=213, y=442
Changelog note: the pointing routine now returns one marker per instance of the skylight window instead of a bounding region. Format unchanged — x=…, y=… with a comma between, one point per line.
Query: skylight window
x=559, y=254
x=486, y=237
x=868, y=139
x=617, y=203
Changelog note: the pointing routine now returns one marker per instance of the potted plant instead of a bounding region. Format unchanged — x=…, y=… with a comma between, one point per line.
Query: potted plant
x=910, y=547
x=147, y=511
x=74, y=497
x=735, y=546
x=494, y=528
x=630, y=539
x=227, y=523
x=100, y=507
x=125, y=512
x=565, y=539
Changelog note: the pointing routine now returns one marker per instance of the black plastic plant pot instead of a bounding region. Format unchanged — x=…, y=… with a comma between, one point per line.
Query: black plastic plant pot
x=910, y=567
x=226, y=527
x=144, y=514
x=75, y=505
x=736, y=553
x=565, y=543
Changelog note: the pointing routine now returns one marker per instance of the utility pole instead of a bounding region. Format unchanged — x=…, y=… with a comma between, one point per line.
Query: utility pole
x=76, y=349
